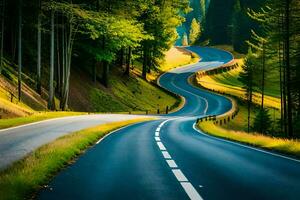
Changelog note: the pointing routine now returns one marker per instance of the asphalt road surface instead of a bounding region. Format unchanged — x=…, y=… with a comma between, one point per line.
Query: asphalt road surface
x=170, y=159
x=15, y=143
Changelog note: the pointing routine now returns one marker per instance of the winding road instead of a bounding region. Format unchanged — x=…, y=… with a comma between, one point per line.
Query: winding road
x=170, y=159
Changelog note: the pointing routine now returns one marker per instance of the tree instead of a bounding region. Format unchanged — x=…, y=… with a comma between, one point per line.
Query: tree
x=280, y=26
x=262, y=115
x=160, y=20
x=195, y=31
x=185, y=40
x=20, y=51
x=128, y=61
x=39, y=39
x=51, y=78
x=2, y=35
x=247, y=78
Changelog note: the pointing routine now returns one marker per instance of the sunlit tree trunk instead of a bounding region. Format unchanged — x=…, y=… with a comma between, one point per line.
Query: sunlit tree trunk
x=128, y=61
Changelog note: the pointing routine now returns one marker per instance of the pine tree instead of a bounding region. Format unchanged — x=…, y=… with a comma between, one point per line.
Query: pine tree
x=185, y=40
x=247, y=78
x=264, y=128
x=195, y=31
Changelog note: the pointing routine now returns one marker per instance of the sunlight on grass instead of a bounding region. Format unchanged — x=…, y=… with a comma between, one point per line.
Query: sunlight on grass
x=227, y=83
x=287, y=146
x=26, y=176
x=176, y=57
x=38, y=116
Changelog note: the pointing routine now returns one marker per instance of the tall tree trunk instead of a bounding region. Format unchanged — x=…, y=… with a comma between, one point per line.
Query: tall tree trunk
x=288, y=69
x=70, y=36
x=20, y=51
x=63, y=58
x=249, y=101
x=122, y=57
x=105, y=73
x=95, y=72
x=128, y=62
x=2, y=35
x=39, y=38
x=58, y=71
x=105, y=65
x=145, y=63
x=263, y=86
x=51, y=78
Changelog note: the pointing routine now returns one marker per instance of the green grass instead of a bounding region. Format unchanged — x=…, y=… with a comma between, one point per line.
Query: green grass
x=25, y=177
x=139, y=95
x=6, y=123
x=240, y=122
x=286, y=146
x=272, y=87
x=136, y=95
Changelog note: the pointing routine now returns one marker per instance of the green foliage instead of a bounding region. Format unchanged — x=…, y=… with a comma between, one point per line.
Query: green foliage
x=195, y=31
x=247, y=75
x=184, y=41
x=263, y=122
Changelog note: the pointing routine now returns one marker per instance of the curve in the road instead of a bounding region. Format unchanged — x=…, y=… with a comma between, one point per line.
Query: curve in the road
x=169, y=159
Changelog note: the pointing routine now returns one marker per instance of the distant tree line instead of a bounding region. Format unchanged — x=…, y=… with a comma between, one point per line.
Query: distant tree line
x=45, y=36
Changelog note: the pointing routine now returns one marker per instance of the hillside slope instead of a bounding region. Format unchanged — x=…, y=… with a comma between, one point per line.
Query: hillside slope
x=125, y=94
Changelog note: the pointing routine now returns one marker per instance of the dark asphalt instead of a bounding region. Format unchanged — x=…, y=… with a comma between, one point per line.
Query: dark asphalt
x=171, y=160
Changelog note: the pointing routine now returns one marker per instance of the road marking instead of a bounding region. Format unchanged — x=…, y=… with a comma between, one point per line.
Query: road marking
x=166, y=155
x=245, y=146
x=161, y=146
x=186, y=185
x=38, y=122
x=197, y=96
x=172, y=163
x=179, y=175
x=191, y=191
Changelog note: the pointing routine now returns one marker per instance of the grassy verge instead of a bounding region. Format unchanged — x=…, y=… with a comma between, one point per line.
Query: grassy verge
x=286, y=146
x=7, y=123
x=228, y=83
x=25, y=177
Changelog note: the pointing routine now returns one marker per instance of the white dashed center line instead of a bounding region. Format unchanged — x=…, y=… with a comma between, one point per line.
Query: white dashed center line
x=171, y=163
x=186, y=185
x=190, y=190
x=166, y=155
x=161, y=146
x=179, y=175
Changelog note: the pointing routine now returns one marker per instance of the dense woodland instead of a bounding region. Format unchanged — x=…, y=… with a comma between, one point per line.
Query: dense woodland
x=268, y=31
x=44, y=38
